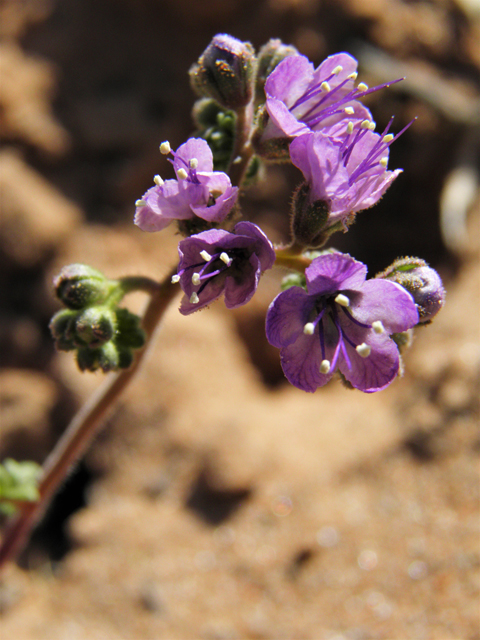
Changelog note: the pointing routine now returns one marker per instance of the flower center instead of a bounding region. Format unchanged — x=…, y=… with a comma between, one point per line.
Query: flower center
x=328, y=309
x=212, y=267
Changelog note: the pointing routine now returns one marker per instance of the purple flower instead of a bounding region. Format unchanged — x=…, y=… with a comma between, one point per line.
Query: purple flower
x=348, y=175
x=301, y=99
x=340, y=321
x=197, y=191
x=217, y=261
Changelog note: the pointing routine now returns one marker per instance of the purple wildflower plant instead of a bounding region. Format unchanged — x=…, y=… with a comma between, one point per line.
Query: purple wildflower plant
x=197, y=191
x=346, y=174
x=341, y=321
x=301, y=99
x=217, y=261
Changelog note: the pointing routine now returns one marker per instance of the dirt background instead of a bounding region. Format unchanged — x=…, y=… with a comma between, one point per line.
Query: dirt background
x=219, y=503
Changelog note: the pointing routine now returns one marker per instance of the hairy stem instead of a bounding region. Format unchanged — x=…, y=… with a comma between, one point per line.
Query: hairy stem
x=84, y=426
x=243, y=150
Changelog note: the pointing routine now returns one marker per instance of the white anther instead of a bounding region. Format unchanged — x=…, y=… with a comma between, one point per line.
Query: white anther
x=193, y=162
x=365, y=124
x=353, y=76
x=165, y=148
x=194, y=299
x=350, y=127
x=325, y=366
x=309, y=329
x=205, y=255
x=363, y=350
x=349, y=111
x=342, y=300
x=325, y=86
x=388, y=138
x=224, y=258
x=196, y=279
x=372, y=126
x=140, y=203
x=378, y=327
x=383, y=162
x=362, y=86
x=338, y=69
x=158, y=180
x=182, y=174
x=175, y=279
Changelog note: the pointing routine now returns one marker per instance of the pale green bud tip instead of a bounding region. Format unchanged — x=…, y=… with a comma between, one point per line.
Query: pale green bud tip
x=79, y=286
x=225, y=72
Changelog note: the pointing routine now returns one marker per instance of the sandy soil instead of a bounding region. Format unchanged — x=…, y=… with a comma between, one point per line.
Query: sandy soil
x=219, y=502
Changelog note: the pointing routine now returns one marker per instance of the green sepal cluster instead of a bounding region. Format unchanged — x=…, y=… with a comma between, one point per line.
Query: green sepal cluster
x=216, y=125
x=102, y=334
x=294, y=279
x=18, y=483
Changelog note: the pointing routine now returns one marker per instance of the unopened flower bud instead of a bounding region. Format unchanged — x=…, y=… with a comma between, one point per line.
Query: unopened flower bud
x=129, y=333
x=309, y=219
x=422, y=282
x=79, y=286
x=62, y=327
x=225, y=72
x=95, y=326
x=269, y=56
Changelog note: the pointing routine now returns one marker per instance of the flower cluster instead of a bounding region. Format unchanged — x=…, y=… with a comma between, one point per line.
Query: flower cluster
x=253, y=109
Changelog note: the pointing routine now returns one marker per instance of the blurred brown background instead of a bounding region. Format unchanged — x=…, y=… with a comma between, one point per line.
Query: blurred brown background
x=220, y=503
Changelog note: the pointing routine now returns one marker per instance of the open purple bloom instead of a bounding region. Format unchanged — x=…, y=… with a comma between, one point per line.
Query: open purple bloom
x=348, y=175
x=217, y=261
x=342, y=321
x=197, y=191
x=301, y=99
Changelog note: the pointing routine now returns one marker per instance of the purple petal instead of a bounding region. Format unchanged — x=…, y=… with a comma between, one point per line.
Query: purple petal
x=334, y=272
x=289, y=80
x=392, y=305
x=193, y=148
x=238, y=292
x=285, y=123
x=263, y=247
x=287, y=315
x=301, y=363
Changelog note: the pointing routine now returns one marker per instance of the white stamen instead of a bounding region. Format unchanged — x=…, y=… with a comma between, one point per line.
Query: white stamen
x=193, y=163
x=363, y=350
x=378, y=327
x=365, y=124
x=325, y=366
x=362, y=87
x=349, y=111
x=175, y=279
x=194, y=299
x=388, y=138
x=158, y=180
x=350, y=127
x=342, y=300
x=309, y=329
x=338, y=69
x=352, y=76
x=383, y=162
x=196, y=279
x=182, y=174
x=372, y=125
x=224, y=258
x=325, y=86
x=205, y=255
x=216, y=135
x=165, y=148
x=140, y=203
